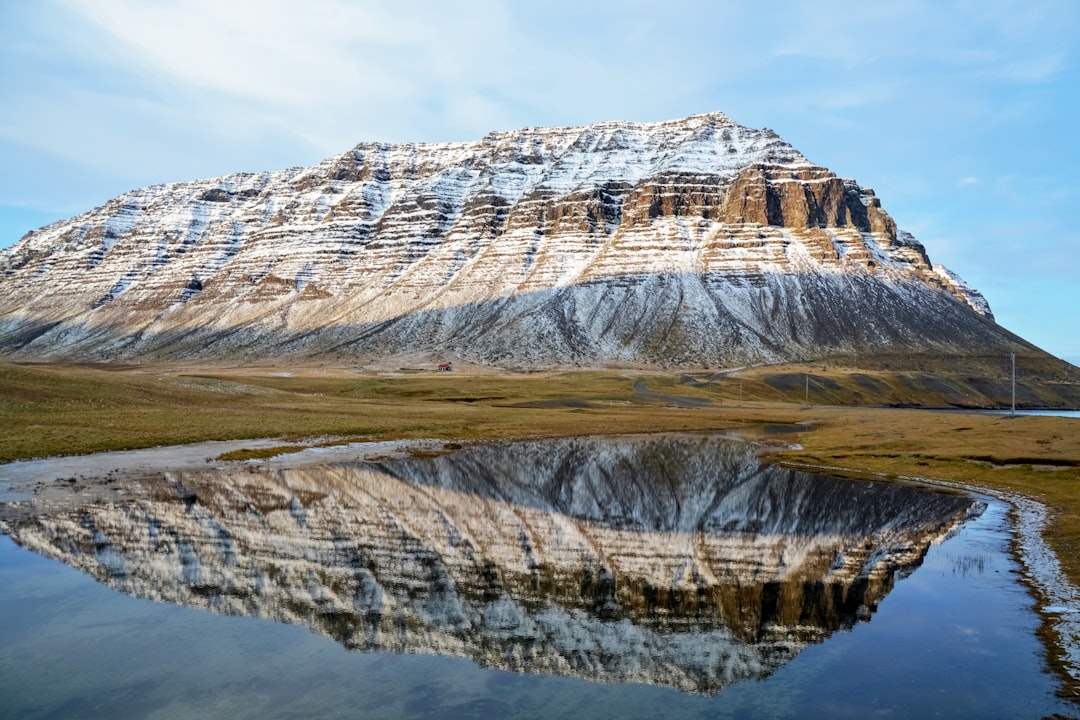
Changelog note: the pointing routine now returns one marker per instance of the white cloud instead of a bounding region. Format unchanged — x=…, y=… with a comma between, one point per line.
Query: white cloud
x=268, y=51
x=324, y=69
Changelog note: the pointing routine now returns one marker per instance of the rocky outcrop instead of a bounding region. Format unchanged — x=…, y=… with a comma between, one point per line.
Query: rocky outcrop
x=691, y=242
x=682, y=561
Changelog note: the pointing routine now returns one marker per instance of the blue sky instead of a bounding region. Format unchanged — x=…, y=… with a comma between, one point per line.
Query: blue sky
x=961, y=115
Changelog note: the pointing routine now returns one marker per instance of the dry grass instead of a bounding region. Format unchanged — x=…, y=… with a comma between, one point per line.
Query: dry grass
x=260, y=453
x=64, y=410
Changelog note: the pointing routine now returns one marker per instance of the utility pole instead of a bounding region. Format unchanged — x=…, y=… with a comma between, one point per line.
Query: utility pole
x=806, y=401
x=1013, y=414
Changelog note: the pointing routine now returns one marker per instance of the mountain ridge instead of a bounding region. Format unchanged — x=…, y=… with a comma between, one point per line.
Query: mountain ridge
x=692, y=242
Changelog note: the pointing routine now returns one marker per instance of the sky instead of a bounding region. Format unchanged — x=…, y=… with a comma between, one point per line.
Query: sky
x=963, y=116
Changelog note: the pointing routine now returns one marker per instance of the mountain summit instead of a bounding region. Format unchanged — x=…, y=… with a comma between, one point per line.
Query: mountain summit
x=693, y=242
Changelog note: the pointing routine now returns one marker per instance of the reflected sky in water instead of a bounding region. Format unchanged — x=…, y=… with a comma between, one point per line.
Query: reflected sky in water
x=580, y=577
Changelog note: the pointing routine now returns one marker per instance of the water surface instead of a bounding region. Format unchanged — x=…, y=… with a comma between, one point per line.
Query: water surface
x=675, y=577
x=1045, y=413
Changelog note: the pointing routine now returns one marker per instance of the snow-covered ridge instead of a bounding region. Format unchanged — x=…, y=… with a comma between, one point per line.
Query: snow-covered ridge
x=963, y=290
x=610, y=243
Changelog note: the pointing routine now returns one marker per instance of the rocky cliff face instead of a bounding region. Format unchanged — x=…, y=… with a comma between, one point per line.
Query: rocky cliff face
x=678, y=561
x=695, y=241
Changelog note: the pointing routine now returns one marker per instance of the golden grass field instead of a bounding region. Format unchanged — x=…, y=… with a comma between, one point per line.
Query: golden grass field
x=50, y=409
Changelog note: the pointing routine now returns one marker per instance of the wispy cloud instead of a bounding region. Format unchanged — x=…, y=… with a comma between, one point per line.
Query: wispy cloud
x=317, y=65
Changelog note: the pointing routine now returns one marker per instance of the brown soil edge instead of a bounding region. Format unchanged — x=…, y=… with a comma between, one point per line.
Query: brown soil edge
x=1061, y=649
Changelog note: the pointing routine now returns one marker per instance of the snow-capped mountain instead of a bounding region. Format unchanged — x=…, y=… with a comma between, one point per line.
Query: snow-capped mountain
x=689, y=242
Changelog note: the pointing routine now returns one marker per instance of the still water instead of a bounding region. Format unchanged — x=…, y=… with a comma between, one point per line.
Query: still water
x=1044, y=413
x=602, y=577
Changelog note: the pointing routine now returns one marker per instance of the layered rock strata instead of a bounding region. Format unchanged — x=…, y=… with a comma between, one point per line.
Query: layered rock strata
x=690, y=242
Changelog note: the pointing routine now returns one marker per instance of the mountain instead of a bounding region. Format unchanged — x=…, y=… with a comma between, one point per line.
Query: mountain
x=680, y=561
x=695, y=242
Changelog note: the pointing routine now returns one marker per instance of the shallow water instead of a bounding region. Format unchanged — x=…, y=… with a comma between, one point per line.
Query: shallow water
x=673, y=577
x=1075, y=414
x=1047, y=413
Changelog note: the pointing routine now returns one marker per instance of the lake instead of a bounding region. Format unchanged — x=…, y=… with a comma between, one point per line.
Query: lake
x=673, y=576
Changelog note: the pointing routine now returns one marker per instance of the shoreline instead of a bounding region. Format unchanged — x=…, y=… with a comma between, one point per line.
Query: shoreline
x=18, y=475
x=1057, y=600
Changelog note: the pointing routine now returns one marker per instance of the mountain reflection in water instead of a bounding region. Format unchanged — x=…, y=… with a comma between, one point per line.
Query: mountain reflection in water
x=683, y=561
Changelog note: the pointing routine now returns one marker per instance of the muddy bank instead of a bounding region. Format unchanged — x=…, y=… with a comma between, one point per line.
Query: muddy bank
x=17, y=478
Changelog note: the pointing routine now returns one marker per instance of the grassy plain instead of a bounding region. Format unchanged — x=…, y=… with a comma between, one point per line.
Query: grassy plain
x=839, y=417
